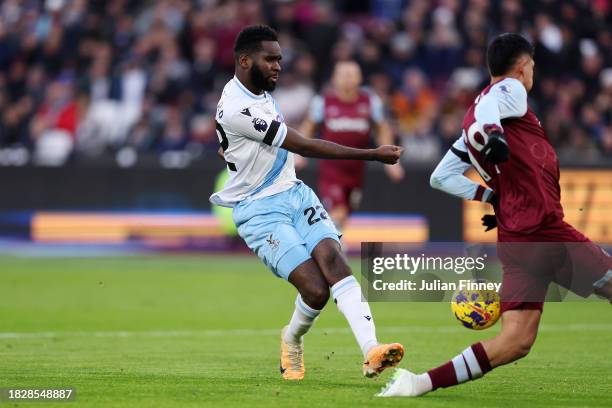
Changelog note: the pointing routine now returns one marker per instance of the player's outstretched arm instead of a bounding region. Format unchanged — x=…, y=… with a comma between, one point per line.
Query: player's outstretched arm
x=323, y=149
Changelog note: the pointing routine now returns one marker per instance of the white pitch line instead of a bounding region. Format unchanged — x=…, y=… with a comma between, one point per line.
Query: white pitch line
x=272, y=332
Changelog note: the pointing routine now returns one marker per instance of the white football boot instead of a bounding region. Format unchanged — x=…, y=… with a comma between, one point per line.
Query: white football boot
x=403, y=383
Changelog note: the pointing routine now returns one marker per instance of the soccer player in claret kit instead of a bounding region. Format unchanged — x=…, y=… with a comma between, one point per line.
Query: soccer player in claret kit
x=505, y=142
x=348, y=115
x=278, y=216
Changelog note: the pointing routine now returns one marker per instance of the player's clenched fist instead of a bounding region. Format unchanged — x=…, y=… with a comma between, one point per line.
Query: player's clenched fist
x=388, y=154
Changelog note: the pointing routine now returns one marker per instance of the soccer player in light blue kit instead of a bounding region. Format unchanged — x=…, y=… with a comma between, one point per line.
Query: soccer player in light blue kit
x=279, y=217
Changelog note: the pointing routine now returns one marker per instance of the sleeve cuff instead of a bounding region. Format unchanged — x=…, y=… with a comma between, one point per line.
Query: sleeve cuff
x=274, y=131
x=483, y=194
x=280, y=135
x=486, y=195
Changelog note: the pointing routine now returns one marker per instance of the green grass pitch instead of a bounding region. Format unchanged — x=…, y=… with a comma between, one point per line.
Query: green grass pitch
x=203, y=330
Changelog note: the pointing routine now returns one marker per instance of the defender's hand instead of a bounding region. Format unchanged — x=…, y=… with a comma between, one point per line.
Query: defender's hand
x=489, y=221
x=388, y=154
x=496, y=150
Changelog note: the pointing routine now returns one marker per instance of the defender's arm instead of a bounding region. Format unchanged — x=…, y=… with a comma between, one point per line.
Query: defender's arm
x=449, y=176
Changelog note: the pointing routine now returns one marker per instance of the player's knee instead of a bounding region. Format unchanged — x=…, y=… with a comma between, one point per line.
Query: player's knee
x=316, y=296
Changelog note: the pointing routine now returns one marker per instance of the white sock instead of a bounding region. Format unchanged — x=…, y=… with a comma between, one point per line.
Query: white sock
x=302, y=320
x=347, y=295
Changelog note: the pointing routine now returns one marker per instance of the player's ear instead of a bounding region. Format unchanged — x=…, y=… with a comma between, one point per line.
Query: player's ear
x=245, y=61
x=521, y=64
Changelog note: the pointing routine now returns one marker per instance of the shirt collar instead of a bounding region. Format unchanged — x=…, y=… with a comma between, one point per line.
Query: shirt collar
x=246, y=91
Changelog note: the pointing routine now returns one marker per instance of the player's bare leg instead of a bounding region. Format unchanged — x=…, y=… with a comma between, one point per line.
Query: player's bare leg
x=313, y=295
x=347, y=294
x=518, y=333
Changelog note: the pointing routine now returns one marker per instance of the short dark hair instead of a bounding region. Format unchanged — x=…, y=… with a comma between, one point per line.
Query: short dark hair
x=505, y=50
x=249, y=39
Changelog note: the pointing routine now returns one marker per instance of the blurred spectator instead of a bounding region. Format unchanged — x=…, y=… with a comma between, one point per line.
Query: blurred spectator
x=54, y=125
x=414, y=101
x=94, y=78
x=581, y=145
x=295, y=91
x=421, y=144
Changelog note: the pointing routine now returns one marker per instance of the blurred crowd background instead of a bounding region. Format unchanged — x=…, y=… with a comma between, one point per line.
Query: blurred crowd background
x=123, y=79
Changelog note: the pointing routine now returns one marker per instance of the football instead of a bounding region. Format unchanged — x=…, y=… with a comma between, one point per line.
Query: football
x=476, y=309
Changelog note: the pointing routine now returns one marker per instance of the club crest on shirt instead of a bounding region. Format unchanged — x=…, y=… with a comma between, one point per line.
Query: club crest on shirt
x=274, y=243
x=260, y=125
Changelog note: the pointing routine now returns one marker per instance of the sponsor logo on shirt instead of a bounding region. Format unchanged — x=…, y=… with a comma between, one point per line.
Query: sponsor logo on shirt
x=344, y=124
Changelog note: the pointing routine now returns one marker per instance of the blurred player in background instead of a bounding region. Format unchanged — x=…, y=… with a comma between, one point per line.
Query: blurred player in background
x=279, y=217
x=347, y=115
x=505, y=142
